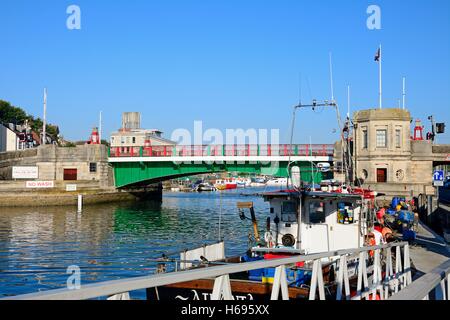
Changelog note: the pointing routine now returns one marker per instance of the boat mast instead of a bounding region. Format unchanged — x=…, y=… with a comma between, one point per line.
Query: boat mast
x=292, y=130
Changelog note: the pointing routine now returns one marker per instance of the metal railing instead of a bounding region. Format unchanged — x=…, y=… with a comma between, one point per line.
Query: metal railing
x=435, y=284
x=370, y=282
x=223, y=151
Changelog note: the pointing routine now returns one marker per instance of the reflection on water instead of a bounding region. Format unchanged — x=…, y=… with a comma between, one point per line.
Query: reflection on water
x=113, y=241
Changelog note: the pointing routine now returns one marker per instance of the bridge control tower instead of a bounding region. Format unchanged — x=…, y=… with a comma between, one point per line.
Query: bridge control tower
x=388, y=159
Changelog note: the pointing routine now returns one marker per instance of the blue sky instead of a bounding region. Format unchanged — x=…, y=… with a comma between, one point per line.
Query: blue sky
x=231, y=64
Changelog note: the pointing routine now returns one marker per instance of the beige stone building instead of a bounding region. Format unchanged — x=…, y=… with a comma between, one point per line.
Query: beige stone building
x=131, y=135
x=387, y=159
x=85, y=163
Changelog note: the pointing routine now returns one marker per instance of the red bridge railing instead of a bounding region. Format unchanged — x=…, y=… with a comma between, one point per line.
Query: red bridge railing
x=284, y=150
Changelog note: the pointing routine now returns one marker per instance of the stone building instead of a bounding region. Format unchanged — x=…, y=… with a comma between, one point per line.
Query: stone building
x=131, y=134
x=387, y=159
x=85, y=163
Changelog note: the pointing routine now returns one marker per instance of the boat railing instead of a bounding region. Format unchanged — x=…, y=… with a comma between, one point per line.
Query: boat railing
x=370, y=283
x=434, y=285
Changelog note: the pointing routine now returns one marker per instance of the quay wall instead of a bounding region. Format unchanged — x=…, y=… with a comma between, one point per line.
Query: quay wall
x=94, y=178
x=61, y=199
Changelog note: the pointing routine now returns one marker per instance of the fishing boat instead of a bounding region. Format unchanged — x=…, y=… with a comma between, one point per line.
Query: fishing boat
x=205, y=187
x=225, y=184
x=298, y=223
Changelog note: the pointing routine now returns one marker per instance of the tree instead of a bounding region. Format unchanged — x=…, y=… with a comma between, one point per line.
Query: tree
x=11, y=114
x=16, y=115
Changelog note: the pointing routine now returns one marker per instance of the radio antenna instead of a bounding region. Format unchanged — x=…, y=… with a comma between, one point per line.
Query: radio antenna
x=348, y=102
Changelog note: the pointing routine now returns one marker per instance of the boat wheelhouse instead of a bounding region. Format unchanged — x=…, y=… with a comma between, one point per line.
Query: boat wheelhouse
x=315, y=222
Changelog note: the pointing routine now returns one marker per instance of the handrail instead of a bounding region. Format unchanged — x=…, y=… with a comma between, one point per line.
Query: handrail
x=115, y=287
x=274, y=150
x=422, y=287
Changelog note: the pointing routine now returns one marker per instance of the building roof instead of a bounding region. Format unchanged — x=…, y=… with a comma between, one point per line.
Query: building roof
x=382, y=114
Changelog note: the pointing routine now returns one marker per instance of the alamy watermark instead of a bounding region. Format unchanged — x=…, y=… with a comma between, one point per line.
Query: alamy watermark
x=73, y=22
x=234, y=146
x=374, y=19
x=74, y=280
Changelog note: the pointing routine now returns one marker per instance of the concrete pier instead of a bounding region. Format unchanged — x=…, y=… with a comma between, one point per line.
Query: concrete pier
x=429, y=250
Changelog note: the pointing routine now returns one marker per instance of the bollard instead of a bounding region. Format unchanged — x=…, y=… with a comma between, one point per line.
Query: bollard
x=80, y=203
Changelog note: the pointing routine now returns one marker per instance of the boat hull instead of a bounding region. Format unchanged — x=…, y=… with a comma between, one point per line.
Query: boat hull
x=201, y=290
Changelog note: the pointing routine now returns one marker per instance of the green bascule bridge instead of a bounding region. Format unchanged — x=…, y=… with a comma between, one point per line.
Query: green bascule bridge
x=137, y=166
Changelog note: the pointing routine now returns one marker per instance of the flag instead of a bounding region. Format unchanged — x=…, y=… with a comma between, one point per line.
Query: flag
x=378, y=55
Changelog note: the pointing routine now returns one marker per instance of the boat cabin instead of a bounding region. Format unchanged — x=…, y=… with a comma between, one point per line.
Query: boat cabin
x=314, y=222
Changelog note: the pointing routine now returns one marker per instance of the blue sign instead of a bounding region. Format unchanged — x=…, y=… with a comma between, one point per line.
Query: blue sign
x=438, y=176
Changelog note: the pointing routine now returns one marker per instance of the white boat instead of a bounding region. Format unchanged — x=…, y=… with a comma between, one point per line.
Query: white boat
x=205, y=187
x=299, y=223
x=277, y=182
x=243, y=183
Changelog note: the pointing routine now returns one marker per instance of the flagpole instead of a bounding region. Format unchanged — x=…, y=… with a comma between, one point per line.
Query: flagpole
x=404, y=93
x=381, y=83
x=44, y=125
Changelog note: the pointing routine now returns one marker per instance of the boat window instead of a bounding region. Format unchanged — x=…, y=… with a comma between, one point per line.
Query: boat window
x=317, y=212
x=289, y=211
x=346, y=213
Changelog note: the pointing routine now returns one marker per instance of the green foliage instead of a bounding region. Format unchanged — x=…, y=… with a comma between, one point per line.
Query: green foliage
x=16, y=115
x=70, y=145
x=11, y=114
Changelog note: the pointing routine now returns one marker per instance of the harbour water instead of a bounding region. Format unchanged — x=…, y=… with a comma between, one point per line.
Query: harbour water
x=115, y=241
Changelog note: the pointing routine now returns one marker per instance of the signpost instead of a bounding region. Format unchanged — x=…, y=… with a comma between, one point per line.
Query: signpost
x=71, y=187
x=40, y=184
x=438, y=178
x=25, y=173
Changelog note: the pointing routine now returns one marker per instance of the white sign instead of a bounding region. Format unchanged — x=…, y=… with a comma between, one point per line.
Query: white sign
x=438, y=183
x=25, y=173
x=71, y=187
x=438, y=178
x=40, y=184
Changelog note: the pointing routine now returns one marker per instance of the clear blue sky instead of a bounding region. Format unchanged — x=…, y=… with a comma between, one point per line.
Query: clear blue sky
x=229, y=63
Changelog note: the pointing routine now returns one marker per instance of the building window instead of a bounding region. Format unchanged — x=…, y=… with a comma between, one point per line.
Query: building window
x=365, y=139
x=134, y=140
x=381, y=139
x=92, y=167
x=381, y=175
x=398, y=138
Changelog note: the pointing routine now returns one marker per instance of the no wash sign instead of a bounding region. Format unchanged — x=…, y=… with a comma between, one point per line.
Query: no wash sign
x=40, y=184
